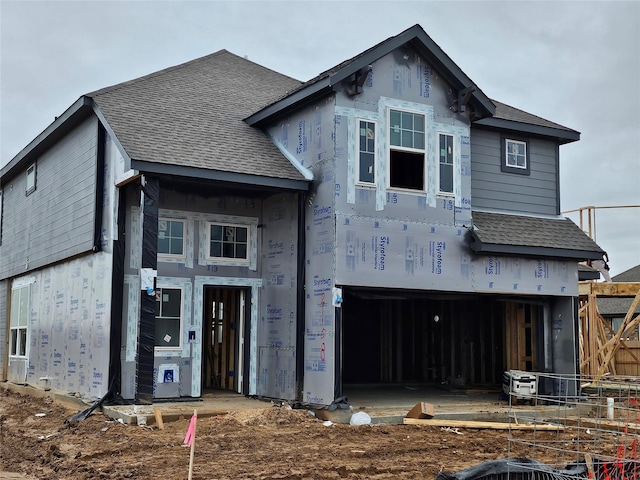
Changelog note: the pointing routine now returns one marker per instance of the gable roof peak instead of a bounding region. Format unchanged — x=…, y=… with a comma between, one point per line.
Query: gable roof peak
x=329, y=81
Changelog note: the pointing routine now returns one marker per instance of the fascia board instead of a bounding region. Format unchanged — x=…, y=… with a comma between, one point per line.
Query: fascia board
x=538, y=252
x=237, y=180
x=563, y=136
x=112, y=135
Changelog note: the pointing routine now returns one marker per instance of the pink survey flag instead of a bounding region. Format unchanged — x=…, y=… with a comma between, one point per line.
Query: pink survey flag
x=191, y=431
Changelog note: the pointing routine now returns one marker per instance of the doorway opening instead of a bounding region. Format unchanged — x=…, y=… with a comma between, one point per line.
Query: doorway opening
x=522, y=332
x=392, y=337
x=224, y=329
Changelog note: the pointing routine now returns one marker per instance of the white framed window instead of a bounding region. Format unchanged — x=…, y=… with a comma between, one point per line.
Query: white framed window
x=228, y=243
x=168, y=331
x=445, y=163
x=31, y=179
x=171, y=238
x=19, y=321
x=515, y=156
x=366, y=152
x=406, y=150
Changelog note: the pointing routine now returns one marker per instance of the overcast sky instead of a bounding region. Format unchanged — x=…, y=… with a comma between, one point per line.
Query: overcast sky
x=575, y=63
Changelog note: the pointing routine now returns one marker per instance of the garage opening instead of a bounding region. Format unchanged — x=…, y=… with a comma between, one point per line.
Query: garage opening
x=391, y=337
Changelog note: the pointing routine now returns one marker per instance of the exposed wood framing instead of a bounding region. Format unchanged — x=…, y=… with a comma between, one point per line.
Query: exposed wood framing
x=602, y=350
x=438, y=422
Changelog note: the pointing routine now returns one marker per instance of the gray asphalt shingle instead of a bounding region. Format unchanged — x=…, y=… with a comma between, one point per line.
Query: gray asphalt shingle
x=526, y=231
x=191, y=115
x=507, y=112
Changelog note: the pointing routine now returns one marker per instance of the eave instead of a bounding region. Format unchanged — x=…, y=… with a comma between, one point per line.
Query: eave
x=481, y=248
x=562, y=136
x=228, y=179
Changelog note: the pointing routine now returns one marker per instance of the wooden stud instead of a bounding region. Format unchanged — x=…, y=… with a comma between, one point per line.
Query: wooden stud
x=158, y=414
x=480, y=425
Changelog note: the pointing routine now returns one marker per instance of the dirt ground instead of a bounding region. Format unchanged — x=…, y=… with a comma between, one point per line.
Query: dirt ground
x=266, y=443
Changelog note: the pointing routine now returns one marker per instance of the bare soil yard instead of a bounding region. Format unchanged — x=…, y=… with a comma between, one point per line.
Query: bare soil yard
x=267, y=443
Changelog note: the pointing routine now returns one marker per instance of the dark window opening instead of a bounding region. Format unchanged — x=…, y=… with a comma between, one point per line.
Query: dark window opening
x=407, y=170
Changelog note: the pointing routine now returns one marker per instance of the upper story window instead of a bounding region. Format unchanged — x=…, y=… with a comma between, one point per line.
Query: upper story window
x=366, y=152
x=31, y=179
x=515, y=156
x=18, y=322
x=445, y=163
x=168, y=317
x=228, y=243
x=171, y=237
x=406, y=150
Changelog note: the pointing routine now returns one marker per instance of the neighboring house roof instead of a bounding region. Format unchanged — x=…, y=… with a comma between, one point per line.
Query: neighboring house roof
x=554, y=237
x=631, y=275
x=187, y=119
x=615, y=306
x=510, y=118
x=329, y=81
x=619, y=306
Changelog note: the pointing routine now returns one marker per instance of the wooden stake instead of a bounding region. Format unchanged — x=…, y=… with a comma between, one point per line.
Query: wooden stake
x=589, y=461
x=159, y=421
x=193, y=444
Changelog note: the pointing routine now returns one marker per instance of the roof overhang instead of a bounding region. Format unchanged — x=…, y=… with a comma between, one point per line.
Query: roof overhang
x=562, y=136
x=229, y=180
x=483, y=248
x=71, y=117
x=533, y=237
x=416, y=38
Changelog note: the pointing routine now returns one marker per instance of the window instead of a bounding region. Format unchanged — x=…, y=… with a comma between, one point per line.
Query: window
x=171, y=237
x=31, y=179
x=168, y=317
x=228, y=241
x=366, y=152
x=18, y=321
x=406, y=150
x=515, y=156
x=445, y=165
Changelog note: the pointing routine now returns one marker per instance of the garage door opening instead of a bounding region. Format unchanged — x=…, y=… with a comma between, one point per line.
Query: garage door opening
x=422, y=338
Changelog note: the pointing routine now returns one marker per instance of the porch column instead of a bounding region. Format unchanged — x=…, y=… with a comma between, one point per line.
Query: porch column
x=146, y=325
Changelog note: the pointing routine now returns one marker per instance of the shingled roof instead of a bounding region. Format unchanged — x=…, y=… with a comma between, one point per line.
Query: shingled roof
x=542, y=237
x=511, y=118
x=619, y=306
x=190, y=116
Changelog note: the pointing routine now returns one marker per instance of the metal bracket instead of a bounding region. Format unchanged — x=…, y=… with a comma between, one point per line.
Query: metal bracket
x=463, y=97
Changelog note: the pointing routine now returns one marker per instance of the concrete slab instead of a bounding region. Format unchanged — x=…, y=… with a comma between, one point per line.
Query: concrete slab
x=385, y=404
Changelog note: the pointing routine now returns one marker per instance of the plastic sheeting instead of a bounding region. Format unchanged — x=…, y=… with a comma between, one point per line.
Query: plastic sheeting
x=516, y=469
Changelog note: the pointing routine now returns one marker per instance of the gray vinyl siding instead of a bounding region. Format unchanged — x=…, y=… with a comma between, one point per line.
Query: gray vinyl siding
x=493, y=189
x=4, y=329
x=56, y=221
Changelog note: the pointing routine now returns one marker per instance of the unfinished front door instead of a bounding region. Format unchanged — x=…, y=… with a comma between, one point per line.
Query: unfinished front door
x=223, y=325
x=521, y=325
